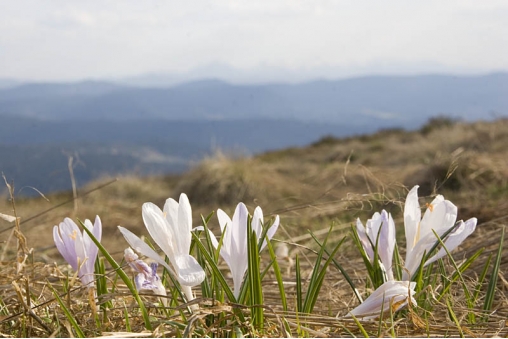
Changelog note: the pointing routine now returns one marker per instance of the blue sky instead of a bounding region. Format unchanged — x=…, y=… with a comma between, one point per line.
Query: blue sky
x=246, y=41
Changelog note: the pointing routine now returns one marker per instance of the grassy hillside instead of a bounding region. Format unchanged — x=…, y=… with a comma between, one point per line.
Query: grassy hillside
x=330, y=181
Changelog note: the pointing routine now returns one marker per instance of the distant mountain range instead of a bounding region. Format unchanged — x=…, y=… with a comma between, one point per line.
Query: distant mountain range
x=118, y=128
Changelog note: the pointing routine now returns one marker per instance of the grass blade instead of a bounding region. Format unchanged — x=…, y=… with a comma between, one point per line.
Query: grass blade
x=343, y=271
x=491, y=289
x=67, y=313
x=299, y=297
x=278, y=275
x=256, y=292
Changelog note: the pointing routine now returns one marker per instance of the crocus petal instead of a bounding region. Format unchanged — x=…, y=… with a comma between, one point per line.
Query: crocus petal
x=90, y=248
x=190, y=273
x=69, y=231
x=239, y=229
x=158, y=228
x=271, y=231
x=171, y=211
x=141, y=247
x=373, y=226
x=439, y=216
x=225, y=224
x=412, y=217
x=392, y=293
x=238, y=256
x=386, y=243
x=213, y=239
x=184, y=226
x=139, y=281
x=69, y=256
x=455, y=238
x=257, y=221
x=364, y=239
x=414, y=258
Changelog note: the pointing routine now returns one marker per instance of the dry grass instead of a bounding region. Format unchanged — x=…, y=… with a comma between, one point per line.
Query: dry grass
x=334, y=180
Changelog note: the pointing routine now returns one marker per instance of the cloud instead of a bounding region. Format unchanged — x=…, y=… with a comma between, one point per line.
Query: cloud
x=72, y=40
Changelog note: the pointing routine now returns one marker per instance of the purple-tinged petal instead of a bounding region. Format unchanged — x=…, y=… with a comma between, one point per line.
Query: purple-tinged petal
x=135, y=263
x=69, y=232
x=70, y=257
x=139, y=281
x=387, y=242
x=364, y=239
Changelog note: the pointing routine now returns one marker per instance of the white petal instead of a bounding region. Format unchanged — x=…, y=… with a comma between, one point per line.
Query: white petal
x=190, y=273
x=455, y=238
x=392, y=293
x=239, y=230
x=271, y=231
x=238, y=254
x=224, y=219
x=141, y=247
x=373, y=226
x=439, y=216
x=225, y=224
x=158, y=228
x=412, y=217
x=257, y=221
x=415, y=257
x=184, y=227
x=171, y=211
x=213, y=239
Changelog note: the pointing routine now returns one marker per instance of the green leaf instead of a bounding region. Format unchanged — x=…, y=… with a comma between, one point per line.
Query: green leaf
x=67, y=313
x=278, y=275
x=491, y=289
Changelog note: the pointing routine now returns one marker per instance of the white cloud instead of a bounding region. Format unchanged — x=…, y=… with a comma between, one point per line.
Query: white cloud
x=72, y=40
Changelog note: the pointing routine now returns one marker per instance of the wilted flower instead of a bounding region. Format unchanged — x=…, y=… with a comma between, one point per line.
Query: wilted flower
x=394, y=294
x=381, y=225
x=78, y=249
x=147, y=278
x=171, y=230
x=440, y=216
x=234, y=241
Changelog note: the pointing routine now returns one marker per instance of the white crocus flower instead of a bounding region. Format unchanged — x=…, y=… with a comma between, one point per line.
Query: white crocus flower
x=234, y=241
x=171, y=230
x=382, y=225
x=440, y=216
x=394, y=294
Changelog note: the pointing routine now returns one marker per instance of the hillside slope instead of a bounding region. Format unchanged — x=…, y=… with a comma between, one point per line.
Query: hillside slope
x=332, y=180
